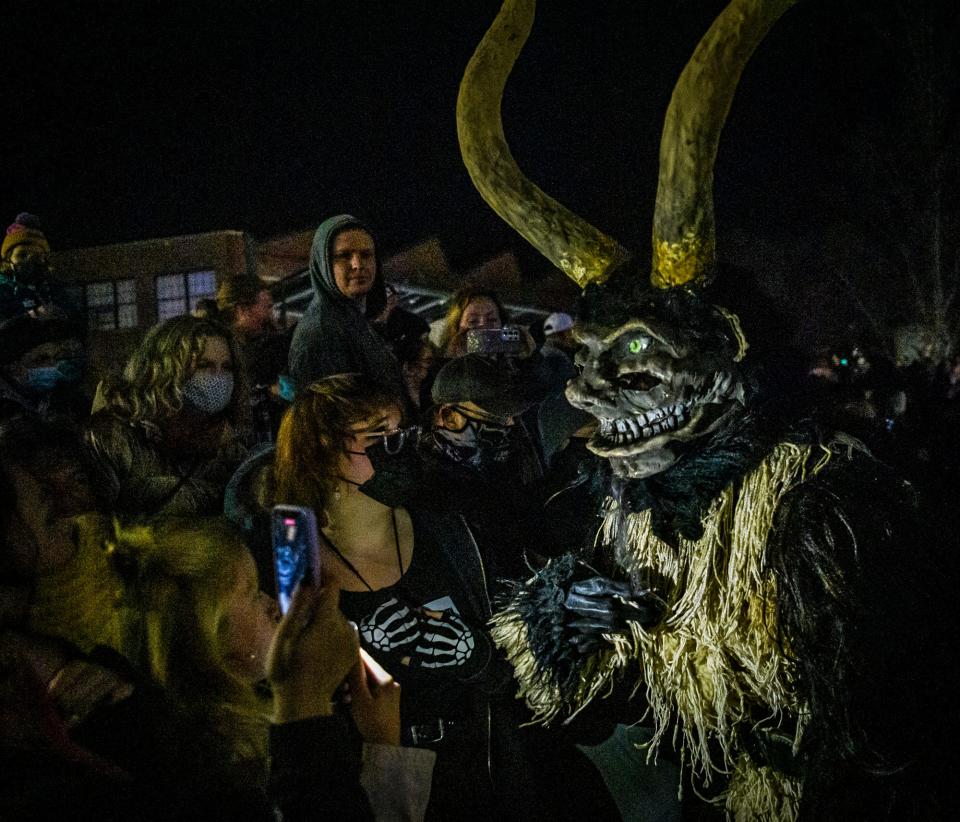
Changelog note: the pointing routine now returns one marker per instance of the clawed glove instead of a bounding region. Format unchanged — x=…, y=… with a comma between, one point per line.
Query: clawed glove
x=599, y=606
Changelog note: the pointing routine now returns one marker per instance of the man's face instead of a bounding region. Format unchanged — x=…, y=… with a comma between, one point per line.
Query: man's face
x=256, y=317
x=354, y=259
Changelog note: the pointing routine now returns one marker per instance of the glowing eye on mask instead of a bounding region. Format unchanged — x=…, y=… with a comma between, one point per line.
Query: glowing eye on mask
x=638, y=344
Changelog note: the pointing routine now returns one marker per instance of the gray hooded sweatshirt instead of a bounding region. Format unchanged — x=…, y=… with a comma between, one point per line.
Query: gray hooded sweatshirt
x=333, y=336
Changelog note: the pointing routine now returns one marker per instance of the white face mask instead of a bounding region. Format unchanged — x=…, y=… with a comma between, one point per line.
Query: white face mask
x=209, y=393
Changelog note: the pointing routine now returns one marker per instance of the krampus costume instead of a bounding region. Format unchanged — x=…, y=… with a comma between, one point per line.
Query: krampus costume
x=748, y=574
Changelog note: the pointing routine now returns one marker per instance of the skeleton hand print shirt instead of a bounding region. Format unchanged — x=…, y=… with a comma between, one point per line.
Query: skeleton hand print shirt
x=417, y=630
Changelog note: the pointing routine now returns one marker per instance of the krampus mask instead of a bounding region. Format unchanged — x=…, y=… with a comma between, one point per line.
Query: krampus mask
x=659, y=363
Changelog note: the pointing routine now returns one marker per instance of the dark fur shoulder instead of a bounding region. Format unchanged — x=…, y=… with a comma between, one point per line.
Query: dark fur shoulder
x=857, y=614
x=680, y=497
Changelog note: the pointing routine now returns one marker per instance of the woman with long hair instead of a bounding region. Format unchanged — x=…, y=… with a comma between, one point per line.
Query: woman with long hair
x=415, y=582
x=212, y=685
x=172, y=427
x=470, y=307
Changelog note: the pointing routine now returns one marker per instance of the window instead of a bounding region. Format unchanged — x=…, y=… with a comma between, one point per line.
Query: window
x=108, y=304
x=178, y=293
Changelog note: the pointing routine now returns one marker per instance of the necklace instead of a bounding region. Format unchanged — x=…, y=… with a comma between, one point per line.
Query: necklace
x=352, y=568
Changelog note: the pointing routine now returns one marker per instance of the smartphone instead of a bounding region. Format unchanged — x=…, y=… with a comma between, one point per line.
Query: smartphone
x=506, y=340
x=296, y=550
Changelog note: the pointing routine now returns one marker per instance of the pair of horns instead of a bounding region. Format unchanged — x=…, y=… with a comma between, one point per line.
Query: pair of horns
x=684, y=236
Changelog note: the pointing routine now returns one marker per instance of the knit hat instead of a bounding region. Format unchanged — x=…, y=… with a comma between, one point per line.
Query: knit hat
x=503, y=387
x=556, y=323
x=25, y=230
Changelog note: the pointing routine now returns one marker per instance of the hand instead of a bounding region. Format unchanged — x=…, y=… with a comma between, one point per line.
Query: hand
x=312, y=652
x=604, y=607
x=428, y=639
x=80, y=686
x=375, y=705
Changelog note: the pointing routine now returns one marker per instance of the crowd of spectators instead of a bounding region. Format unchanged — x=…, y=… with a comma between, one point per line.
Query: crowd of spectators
x=145, y=671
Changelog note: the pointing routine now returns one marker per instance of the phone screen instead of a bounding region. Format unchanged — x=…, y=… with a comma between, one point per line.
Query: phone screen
x=295, y=550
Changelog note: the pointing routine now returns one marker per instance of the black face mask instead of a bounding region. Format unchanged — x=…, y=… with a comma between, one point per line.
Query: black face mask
x=398, y=470
x=31, y=269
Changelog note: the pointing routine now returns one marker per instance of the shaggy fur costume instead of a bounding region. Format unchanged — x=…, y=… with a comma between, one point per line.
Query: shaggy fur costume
x=785, y=667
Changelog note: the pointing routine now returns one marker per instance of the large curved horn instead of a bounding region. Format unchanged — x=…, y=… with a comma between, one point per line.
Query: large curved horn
x=684, y=235
x=574, y=246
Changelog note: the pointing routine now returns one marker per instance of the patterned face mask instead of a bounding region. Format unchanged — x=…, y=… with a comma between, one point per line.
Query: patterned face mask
x=209, y=393
x=478, y=444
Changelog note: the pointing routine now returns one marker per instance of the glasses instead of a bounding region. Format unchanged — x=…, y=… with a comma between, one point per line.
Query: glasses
x=488, y=419
x=393, y=441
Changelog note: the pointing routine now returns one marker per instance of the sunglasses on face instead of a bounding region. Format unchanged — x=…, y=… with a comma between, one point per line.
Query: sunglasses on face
x=488, y=420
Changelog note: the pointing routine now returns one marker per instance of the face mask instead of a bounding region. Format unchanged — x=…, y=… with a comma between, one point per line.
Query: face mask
x=397, y=469
x=478, y=445
x=65, y=372
x=209, y=393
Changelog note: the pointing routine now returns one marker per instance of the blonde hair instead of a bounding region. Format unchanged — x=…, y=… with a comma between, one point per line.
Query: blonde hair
x=180, y=574
x=458, y=304
x=151, y=387
x=312, y=436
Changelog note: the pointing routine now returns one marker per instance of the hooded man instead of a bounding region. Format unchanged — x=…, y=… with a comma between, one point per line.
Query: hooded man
x=334, y=336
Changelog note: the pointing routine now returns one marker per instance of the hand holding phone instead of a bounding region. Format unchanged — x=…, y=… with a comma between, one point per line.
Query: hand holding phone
x=296, y=550
x=314, y=649
x=374, y=701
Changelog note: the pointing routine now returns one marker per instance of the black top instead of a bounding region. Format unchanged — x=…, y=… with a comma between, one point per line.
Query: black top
x=393, y=631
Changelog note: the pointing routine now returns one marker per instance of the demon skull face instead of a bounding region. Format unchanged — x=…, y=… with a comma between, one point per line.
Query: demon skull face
x=658, y=384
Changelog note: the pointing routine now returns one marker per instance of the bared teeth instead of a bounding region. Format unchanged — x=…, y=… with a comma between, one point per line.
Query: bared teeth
x=627, y=430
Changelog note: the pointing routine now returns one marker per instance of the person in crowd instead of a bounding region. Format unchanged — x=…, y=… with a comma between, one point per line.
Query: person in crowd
x=169, y=721
x=559, y=348
x=26, y=283
x=558, y=333
x=42, y=364
x=471, y=307
x=173, y=426
x=395, y=323
x=334, y=335
x=195, y=579
x=247, y=307
x=419, y=586
x=416, y=355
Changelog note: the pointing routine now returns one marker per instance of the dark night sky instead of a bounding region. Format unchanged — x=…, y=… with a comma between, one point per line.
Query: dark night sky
x=132, y=120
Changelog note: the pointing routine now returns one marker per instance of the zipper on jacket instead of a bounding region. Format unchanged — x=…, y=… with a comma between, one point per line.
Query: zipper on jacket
x=486, y=597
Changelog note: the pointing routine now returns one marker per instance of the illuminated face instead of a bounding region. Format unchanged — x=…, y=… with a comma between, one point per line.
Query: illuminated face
x=249, y=623
x=652, y=390
x=354, y=259
x=354, y=464
x=480, y=312
x=215, y=357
